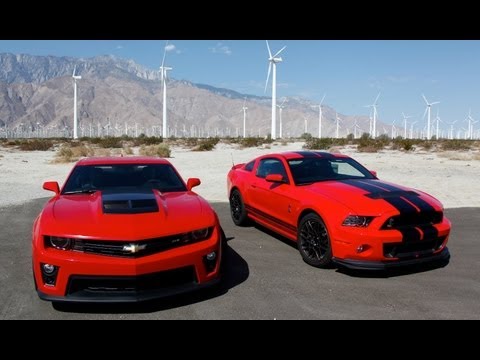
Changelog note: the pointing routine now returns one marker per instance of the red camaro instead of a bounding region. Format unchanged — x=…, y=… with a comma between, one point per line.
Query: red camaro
x=338, y=211
x=124, y=229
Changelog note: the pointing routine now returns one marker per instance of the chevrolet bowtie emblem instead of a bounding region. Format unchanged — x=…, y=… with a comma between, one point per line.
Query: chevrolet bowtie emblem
x=133, y=248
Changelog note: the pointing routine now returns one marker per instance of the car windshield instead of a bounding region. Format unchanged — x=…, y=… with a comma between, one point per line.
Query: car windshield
x=124, y=177
x=310, y=170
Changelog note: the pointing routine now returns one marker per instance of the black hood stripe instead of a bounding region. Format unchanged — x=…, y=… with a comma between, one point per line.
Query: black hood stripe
x=403, y=203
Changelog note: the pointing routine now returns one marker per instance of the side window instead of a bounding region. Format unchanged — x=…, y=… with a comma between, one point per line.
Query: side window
x=271, y=166
x=249, y=166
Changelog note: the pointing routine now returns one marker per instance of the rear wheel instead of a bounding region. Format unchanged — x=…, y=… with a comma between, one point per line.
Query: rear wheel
x=314, y=242
x=237, y=209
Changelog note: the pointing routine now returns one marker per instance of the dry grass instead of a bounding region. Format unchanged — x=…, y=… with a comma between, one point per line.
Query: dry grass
x=68, y=153
x=127, y=150
x=453, y=155
x=161, y=150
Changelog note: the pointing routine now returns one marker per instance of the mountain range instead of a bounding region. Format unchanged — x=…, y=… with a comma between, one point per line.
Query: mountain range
x=119, y=96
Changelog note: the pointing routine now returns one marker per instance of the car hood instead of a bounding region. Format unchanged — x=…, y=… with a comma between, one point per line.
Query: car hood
x=375, y=197
x=126, y=215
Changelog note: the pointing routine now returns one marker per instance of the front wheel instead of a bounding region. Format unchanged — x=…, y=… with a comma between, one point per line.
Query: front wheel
x=314, y=242
x=237, y=209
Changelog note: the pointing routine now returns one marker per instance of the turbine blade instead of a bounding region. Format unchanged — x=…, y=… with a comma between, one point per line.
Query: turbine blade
x=283, y=102
x=323, y=98
x=376, y=99
x=424, y=98
x=268, y=47
x=278, y=53
x=164, y=53
x=436, y=102
x=425, y=113
x=268, y=75
x=74, y=68
x=244, y=101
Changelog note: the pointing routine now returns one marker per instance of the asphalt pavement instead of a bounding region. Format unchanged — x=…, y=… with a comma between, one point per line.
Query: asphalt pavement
x=265, y=278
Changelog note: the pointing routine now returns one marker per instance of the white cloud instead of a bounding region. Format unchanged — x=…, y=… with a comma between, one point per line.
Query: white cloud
x=220, y=48
x=170, y=47
x=119, y=47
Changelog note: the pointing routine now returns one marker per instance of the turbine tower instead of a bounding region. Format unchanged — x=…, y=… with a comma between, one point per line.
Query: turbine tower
x=75, y=121
x=163, y=78
x=427, y=110
x=320, y=116
x=373, y=130
x=281, y=106
x=244, y=108
x=405, y=117
x=273, y=60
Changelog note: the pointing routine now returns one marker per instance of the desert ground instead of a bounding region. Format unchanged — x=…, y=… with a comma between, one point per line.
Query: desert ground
x=452, y=177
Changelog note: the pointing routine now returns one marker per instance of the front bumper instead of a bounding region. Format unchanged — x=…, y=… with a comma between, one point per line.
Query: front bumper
x=126, y=296
x=444, y=256
x=84, y=277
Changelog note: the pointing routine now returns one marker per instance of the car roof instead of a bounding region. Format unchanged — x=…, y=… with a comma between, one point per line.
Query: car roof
x=292, y=155
x=115, y=160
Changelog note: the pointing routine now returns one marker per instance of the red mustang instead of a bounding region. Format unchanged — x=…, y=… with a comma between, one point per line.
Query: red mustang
x=338, y=211
x=124, y=229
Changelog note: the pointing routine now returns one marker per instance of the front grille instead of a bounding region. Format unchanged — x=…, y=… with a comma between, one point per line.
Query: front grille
x=406, y=250
x=134, y=249
x=128, y=285
x=413, y=219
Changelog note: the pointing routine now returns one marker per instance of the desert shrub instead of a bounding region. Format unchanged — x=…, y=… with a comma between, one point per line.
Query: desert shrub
x=407, y=145
x=161, y=150
x=207, y=144
x=306, y=136
x=36, y=144
x=254, y=141
x=147, y=140
x=367, y=144
x=318, y=144
x=456, y=144
x=110, y=142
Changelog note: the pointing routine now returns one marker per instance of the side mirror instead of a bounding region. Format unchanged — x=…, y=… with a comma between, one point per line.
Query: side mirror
x=276, y=178
x=192, y=182
x=52, y=186
x=373, y=172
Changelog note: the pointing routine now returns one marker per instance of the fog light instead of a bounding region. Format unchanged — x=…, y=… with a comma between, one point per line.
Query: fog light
x=362, y=248
x=49, y=274
x=48, y=269
x=210, y=261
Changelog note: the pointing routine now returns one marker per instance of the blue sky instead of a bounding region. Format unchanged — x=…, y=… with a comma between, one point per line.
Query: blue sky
x=351, y=73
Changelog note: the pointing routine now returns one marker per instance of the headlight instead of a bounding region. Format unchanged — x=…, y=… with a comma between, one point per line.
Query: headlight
x=59, y=243
x=200, y=234
x=357, y=221
x=197, y=235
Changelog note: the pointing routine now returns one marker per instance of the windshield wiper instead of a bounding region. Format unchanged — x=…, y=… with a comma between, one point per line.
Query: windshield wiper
x=85, y=191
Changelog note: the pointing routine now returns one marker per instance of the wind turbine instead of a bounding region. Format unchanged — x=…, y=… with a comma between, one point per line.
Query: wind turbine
x=373, y=131
x=437, y=119
x=244, y=108
x=405, y=117
x=338, y=126
x=281, y=106
x=273, y=60
x=75, y=121
x=320, y=116
x=427, y=110
x=163, y=77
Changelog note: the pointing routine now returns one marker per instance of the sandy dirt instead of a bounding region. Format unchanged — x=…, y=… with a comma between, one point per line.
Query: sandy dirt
x=454, y=182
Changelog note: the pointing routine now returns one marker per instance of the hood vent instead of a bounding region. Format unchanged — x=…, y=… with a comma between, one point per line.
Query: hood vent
x=129, y=203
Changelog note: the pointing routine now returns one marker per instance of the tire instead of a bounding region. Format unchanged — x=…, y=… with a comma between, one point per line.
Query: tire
x=313, y=241
x=237, y=209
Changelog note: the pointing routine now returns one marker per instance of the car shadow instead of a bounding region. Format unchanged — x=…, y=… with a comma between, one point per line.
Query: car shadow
x=234, y=272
